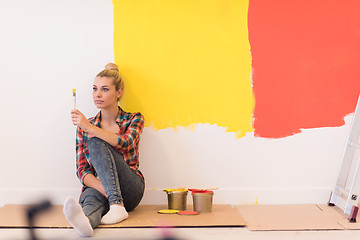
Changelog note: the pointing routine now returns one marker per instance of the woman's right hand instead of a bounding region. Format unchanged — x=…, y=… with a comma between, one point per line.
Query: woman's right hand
x=80, y=120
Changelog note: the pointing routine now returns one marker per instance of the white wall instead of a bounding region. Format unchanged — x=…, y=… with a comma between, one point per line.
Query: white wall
x=47, y=48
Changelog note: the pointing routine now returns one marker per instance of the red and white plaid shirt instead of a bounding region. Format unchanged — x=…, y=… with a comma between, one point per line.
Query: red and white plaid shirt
x=131, y=126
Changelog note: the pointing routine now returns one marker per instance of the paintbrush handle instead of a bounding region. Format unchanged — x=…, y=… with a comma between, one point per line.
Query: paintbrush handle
x=74, y=97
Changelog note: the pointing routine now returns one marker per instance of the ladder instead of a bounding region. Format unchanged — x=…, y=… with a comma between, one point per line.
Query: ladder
x=346, y=192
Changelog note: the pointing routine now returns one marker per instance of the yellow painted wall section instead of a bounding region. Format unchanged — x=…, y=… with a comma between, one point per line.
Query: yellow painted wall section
x=185, y=62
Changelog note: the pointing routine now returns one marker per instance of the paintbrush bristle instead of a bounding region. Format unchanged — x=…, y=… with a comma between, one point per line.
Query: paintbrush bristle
x=74, y=92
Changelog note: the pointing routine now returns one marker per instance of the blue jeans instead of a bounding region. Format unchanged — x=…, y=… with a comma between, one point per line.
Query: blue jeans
x=121, y=183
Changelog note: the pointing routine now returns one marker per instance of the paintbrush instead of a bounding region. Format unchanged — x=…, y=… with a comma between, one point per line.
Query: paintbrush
x=74, y=97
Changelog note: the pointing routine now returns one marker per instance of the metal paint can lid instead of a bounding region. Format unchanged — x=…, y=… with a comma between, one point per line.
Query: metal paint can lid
x=170, y=190
x=168, y=211
x=194, y=191
x=188, y=213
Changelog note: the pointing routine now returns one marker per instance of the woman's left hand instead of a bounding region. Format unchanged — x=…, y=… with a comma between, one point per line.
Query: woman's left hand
x=80, y=120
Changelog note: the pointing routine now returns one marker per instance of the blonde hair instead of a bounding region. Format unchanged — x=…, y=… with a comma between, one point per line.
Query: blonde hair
x=112, y=71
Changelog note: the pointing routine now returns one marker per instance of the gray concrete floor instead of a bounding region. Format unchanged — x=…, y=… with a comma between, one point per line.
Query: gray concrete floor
x=183, y=234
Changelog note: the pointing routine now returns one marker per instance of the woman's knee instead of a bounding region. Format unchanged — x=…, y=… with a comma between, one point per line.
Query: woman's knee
x=91, y=196
x=97, y=148
x=95, y=142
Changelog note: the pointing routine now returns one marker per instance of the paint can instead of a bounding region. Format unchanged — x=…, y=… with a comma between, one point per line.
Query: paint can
x=202, y=200
x=177, y=198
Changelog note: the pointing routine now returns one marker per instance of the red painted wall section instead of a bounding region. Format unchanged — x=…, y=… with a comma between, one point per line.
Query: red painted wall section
x=306, y=63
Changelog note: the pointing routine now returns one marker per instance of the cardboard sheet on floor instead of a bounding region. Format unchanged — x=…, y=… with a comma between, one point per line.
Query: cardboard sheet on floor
x=142, y=216
x=289, y=217
x=342, y=218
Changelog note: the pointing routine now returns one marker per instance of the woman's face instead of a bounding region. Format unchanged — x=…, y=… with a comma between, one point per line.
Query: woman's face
x=104, y=92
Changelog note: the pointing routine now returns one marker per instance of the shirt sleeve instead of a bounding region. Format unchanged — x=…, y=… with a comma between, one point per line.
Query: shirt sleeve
x=132, y=133
x=82, y=166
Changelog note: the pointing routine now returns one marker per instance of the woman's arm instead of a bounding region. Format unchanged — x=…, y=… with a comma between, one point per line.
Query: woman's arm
x=82, y=166
x=124, y=141
x=80, y=120
x=91, y=181
x=109, y=137
x=132, y=134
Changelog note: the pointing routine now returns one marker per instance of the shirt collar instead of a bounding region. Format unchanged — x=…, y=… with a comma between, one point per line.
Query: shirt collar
x=97, y=119
x=120, y=113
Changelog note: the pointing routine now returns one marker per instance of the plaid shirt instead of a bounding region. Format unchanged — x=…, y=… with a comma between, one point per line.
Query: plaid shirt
x=130, y=124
